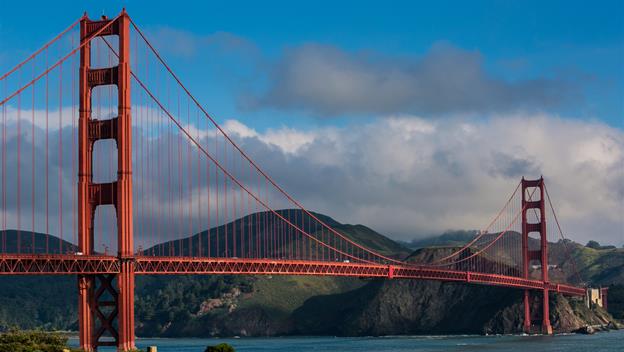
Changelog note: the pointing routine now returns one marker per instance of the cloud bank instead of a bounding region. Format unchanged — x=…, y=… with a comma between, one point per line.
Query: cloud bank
x=326, y=80
x=177, y=42
x=406, y=176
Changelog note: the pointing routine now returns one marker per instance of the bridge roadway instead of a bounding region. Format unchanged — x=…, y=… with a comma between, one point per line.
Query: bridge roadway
x=67, y=264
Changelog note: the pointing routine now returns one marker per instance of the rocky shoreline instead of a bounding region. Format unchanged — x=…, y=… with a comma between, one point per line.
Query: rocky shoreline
x=592, y=329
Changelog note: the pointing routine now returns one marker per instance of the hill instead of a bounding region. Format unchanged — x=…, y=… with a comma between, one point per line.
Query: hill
x=242, y=305
x=186, y=305
x=34, y=242
x=280, y=305
x=256, y=223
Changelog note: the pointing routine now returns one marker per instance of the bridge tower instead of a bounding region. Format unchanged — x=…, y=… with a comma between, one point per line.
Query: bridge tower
x=106, y=302
x=541, y=254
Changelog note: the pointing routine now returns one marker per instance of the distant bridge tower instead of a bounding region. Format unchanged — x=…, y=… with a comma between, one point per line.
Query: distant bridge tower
x=541, y=255
x=106, y=309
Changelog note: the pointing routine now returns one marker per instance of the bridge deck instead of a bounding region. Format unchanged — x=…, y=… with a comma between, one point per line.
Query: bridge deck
x=24, y=264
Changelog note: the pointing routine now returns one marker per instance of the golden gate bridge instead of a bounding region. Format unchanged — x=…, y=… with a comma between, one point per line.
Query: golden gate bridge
x=103, y=187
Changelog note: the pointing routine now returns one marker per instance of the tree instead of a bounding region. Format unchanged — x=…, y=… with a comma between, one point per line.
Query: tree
x=222, y=347
x=593, y=244
x=32, y=341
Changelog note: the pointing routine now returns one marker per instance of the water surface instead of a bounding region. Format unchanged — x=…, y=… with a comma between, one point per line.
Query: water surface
x=609, y=341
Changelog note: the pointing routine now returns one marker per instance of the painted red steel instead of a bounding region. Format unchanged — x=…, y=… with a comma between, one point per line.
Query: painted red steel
x=40, y=264
x=540, y=255
x=117, y=193
x=149, y=265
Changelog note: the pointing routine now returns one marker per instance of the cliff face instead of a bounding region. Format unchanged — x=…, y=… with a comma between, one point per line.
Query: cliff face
x=386, y=308
x=420, y=307
x=567, y=314
x=403, y=307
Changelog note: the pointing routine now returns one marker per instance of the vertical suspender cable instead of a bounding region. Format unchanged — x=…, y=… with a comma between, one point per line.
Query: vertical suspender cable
x=32, y=167
x=47, y=161
x=225, y=199
x=73, y=143
x=189, y=161
x=217, y=185
x=170, y=199
x=199, y=180
x=60, y=162
x=208, y=186
x=19, y=177
x=180, y=215
x=4, y=224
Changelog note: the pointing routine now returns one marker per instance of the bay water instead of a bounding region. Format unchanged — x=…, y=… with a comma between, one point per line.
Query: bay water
x=607, y=341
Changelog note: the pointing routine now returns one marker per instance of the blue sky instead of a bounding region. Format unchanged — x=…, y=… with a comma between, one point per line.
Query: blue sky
x=571, y=41
x=393, y=100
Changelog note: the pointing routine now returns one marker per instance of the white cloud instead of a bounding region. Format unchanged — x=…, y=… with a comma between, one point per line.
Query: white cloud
x=408, y=176
x=239, y=129
x=288, y=140
x=55, y=118
x=401, y=175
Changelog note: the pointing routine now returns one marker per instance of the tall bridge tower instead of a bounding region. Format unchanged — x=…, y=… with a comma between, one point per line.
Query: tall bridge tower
x=541, y=254
x=106, y=301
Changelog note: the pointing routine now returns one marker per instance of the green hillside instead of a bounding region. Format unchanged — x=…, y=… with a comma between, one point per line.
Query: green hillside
x=247, y=229
x=242, y=305
x=24, y=240
x=189, y=305
x=211, y=305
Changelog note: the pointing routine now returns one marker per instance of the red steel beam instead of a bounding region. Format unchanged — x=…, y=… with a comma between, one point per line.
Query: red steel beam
x=28, y=264
x=25, y=264
x=148, y=265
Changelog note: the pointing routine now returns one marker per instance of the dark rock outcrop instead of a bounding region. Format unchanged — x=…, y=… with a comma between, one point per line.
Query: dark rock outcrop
x=428, y=307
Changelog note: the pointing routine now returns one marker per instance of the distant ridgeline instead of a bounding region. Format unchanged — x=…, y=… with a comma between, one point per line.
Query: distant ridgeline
x=33, y=242
x=448, y=238
x=263, y=305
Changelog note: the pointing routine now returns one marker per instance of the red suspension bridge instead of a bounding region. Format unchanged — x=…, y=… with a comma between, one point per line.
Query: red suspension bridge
x=105, y=188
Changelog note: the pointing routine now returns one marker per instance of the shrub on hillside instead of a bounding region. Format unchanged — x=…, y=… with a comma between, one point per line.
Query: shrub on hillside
x=222, y=347
x=32, y=341
x=593, y=244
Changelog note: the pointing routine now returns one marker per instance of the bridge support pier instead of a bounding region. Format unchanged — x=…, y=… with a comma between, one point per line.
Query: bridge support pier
x=125, y=281
x=546, y=327
x=85, y=312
